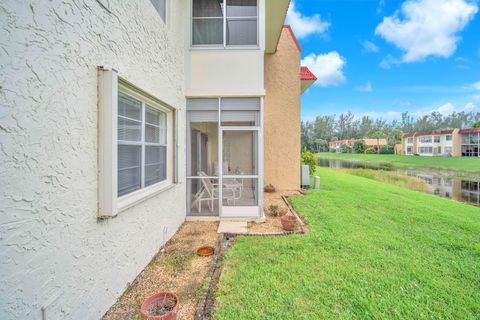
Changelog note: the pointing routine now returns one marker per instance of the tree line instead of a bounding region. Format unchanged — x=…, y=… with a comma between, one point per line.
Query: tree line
x=316, y=134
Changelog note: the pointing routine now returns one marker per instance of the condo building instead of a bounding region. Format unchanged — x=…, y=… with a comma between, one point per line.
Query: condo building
x=455, y=143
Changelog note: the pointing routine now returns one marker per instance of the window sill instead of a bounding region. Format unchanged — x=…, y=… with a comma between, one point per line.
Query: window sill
x=134, y=198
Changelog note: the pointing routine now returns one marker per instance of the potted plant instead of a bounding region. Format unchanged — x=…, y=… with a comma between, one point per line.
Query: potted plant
x=273, y=210
x=269, y=188
x=288, y=222
x=160, y=306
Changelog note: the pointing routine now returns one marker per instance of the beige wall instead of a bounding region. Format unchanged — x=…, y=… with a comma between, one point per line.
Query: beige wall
x=282, y=115
x=457, y=143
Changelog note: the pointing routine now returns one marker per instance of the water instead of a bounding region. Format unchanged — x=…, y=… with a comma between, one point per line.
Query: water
x=442, y=183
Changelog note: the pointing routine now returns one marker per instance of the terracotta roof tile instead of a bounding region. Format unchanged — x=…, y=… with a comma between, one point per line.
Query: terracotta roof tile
x=306, y=74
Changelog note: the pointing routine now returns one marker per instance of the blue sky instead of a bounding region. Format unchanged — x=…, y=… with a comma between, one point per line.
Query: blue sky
x=384, y=57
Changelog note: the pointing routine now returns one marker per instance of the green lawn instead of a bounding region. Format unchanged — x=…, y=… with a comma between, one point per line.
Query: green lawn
x=375, y=251
x=453, y=163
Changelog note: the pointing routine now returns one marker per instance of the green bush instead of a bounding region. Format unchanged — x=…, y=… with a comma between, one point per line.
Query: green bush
x=345, y=148
x=387, y=150
x=333, y=150
x=370, y=150
x=359, y=146
x=309, y=159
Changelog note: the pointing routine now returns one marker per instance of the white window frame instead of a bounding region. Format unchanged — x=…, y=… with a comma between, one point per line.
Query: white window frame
x=224, y=18
x=109, y=204
x=448, y=137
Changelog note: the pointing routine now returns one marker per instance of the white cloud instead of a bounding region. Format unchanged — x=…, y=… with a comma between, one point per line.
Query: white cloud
x=367, y=87
x=327, y=67
x=385, y=115
x=381, y=7
x=304, y=26
x=423, y=28
x=474, y=86
x=476, y=97
x=369, y=46
x=447, y=109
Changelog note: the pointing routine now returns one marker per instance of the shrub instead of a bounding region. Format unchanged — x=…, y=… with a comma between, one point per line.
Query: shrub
x=309, y=159
x=345, y=148
x=333, y=150
x=387, y=150
x=274, y=210
x=359, y=146
x=370, y=151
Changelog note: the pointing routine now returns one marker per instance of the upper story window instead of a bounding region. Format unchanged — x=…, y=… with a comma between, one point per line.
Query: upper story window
x=436, y=139
x=161, y=7
x=448, y=137
x=410, y=140
x=224, y=23
x=425, y=139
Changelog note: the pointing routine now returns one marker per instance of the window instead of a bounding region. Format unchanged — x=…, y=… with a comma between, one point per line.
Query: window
x=224, y=23
x=161, y=7
x=448, y=137
x=136, y=153
x=409, y=150
x=448, y=150
x=425, y=139
x=410, y=140
x=436, y=139
x=142, y=145
x=423, y=150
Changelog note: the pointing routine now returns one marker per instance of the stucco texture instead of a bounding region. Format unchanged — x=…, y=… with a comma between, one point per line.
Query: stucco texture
x=282, y=115
x=54, y=254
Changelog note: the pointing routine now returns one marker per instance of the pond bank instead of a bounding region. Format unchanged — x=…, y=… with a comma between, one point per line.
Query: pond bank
x=436, y=181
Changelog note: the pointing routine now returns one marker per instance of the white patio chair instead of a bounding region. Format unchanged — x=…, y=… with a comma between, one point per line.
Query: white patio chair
x=210, y=193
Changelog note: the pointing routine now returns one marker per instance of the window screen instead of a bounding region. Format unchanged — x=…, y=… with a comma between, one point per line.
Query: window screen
x=142, y=145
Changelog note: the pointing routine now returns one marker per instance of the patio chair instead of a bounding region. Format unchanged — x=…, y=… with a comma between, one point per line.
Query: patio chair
x=210, y=193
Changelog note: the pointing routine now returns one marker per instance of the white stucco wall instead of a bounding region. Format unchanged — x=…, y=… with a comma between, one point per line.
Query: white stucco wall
x=53, y=251
x=219, y=71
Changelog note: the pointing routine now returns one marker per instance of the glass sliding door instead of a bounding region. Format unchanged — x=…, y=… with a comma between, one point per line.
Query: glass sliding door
x=240, y=172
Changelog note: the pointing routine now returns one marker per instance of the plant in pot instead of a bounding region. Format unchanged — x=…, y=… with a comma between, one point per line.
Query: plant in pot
x=274, y=210
x=269, y=188
x=160, y=306
x=288, y=222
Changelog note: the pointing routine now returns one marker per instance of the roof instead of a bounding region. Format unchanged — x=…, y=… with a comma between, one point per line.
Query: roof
x=275, y=14
x=289, y=28
x=342, y=141
x=470, y=130
x=408, y=135
x=306, y=74
x=432, y=132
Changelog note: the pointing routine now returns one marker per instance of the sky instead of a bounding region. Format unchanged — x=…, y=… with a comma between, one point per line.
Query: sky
x=384, y=57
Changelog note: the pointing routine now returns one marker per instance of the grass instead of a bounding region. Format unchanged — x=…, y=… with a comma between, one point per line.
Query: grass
x=391, y=177
x=465, y=164
x=375, y=251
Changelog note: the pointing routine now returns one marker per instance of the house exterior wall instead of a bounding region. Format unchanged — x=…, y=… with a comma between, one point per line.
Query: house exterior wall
x=282, y=115
x=54, y=252
x=457, y=143
x=222, y=72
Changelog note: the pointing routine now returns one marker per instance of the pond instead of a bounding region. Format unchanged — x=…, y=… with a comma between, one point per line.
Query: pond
x=442, y=183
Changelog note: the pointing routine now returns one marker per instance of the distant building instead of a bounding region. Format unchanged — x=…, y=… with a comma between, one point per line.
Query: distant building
x=455, y=143
x=371, y=143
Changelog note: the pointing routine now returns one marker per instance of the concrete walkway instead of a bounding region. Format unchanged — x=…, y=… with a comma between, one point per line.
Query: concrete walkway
x=235, y=227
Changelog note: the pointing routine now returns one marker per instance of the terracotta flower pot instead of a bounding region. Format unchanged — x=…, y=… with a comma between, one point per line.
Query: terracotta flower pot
x=288, y=222
x=160, y=306
x=269, y=189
